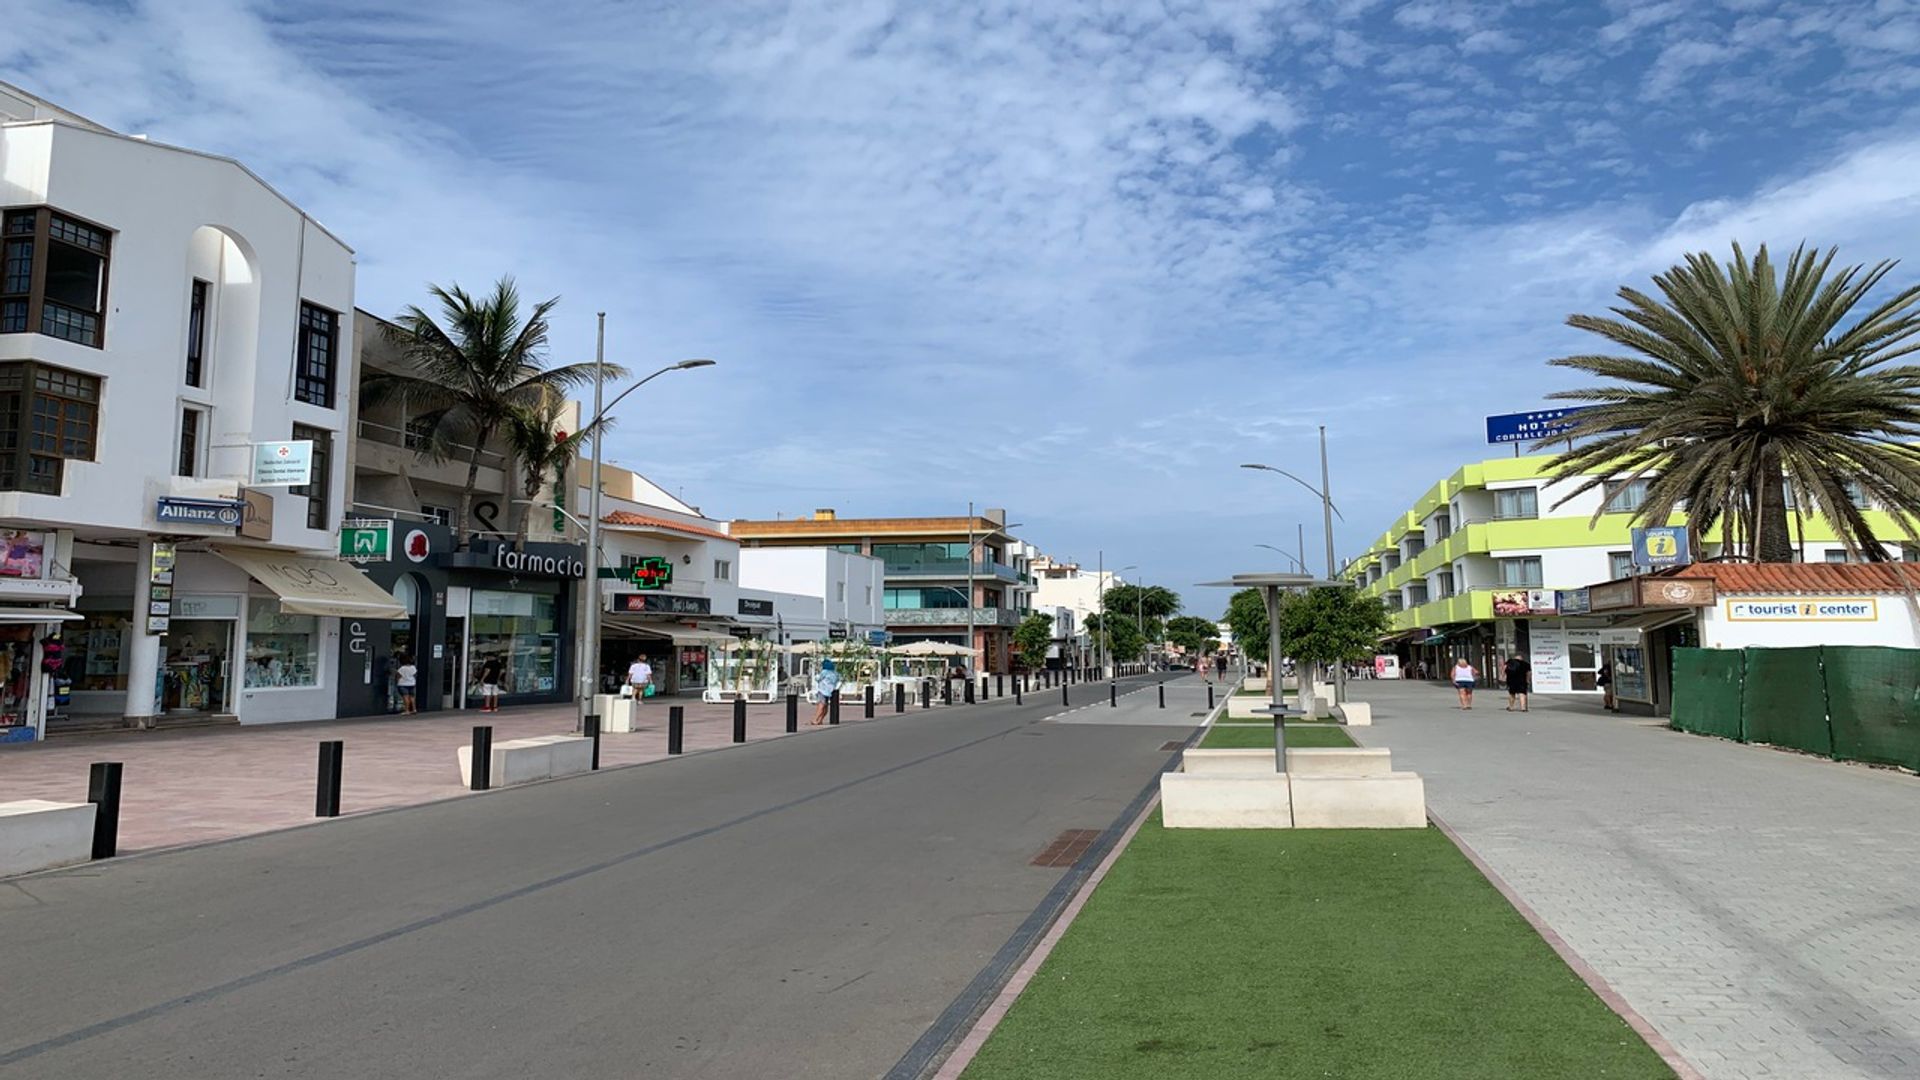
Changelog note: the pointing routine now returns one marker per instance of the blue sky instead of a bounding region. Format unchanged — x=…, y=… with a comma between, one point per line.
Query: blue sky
x=1076, y=260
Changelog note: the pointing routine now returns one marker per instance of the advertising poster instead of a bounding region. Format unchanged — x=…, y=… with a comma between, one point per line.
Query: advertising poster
x=1550, y=671
x=23, y=556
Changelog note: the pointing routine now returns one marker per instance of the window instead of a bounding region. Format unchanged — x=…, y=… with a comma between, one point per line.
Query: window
x=189, y=463
x=53, y=275
x=1837, y=555
x=1512, y=503
x=196, y=331
x=521, y=631
x=1415, y=545
x=47, y=416
x=1626, y=496
x=1524, y=570
x=1443, y=584
x=314, y=355
x=933, y=596
x=722, y=570
x=869, y=596
x=316, y=489
x=439, y=515
x=1619, y=565
x=282, y=650
x=1857, y=495
x=1440, y=528
x=840, y=592
x=1416, y=594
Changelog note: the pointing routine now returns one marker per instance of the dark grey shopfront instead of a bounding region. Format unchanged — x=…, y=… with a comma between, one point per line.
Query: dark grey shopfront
x=491, y=601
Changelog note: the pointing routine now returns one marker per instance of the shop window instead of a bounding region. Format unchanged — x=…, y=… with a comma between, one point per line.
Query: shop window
x=48, y=415
x=16, y=674
x=315, y=355
x=521, y=631
x=1513, y=503
x=53, y=275
x=93, y=654
x=282, y=650
x=197, y=332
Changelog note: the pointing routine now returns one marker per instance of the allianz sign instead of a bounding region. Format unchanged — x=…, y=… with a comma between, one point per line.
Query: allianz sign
x=521, y=562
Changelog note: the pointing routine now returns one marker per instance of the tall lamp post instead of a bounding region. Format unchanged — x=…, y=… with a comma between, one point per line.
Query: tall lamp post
x=590, y=663
x=1108, y=634
x=1327, y=514
x=1288, y=554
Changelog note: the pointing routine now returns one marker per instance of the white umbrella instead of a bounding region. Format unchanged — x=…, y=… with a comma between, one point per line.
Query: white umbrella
x=931, y=648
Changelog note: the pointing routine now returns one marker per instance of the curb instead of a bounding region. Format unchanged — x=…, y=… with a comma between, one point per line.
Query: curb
x=1682, y=1068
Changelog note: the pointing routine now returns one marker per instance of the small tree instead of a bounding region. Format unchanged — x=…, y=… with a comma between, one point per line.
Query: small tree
x=543, y=450
x=1032, y=638
x=1191, y=632
x=1333, y=625
x=1120, y=636
x=1247, y=617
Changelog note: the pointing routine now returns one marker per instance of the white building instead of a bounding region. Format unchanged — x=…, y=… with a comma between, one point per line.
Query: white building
x=851, y=587
x=161, y=312
x=1066, y=586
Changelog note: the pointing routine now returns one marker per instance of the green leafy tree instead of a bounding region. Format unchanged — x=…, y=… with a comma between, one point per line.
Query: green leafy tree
x=1191, y=632
x=1120, y=636
x=467, y=372
x=1740, y=384
x=1247, y=617
x=1331, y=625
x=1032, y=638
x=543, y=451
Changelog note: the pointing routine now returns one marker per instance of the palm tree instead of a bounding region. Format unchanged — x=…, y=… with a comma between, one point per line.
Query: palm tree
x=1742, y=386
x=542, y=449
x=469, y=370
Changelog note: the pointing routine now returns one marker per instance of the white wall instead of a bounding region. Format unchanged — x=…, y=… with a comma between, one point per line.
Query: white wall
x=851, y=587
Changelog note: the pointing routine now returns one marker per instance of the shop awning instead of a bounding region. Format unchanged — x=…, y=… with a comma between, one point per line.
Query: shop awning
x=1649, y=621
x=679, y=635
x=315, y=584
x=37, y=615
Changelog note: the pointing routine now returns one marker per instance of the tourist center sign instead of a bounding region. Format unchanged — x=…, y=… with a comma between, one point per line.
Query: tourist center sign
x=1805, y=609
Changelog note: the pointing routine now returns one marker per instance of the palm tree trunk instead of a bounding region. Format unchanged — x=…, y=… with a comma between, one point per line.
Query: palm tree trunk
x=465, y=513
x=1773, y=539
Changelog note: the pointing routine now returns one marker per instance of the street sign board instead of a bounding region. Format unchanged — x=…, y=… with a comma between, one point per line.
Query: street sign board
x=878, y=638
x=366, y=541
x=278, y=464
x=1661, y=545
x=1528, y=426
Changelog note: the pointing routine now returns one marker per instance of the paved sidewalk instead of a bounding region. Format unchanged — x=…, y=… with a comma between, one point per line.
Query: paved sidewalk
x=192, y=786
x=1760, y=908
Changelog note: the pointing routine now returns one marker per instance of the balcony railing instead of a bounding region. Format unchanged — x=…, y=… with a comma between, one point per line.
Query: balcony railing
x=950, y=568
x=982, y=616
x=412, y=440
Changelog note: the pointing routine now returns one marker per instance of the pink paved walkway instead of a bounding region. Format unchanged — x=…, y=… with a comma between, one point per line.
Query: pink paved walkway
x=187, y=787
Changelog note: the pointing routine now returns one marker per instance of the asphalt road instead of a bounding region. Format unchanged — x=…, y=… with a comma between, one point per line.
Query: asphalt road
x=797, y=908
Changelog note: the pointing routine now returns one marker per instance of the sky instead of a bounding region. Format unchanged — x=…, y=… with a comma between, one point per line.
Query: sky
x=1075, y=260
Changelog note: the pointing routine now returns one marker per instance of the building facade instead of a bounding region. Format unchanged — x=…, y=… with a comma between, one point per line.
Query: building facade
x=928, y=563
x=1490, y=561
x=1064, y=585
x=155, y=337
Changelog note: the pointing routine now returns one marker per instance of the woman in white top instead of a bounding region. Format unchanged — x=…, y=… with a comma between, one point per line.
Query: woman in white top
x=408, y=681
x=1464, y=677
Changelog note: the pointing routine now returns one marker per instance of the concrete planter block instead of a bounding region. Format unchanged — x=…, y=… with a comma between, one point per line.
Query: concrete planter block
x=1356, y=714
x=617, y=714
x=1240, y=707
x=1188, y=801
x=570, y=754
x=522, y=761
x=1307, y=761
x=1252, y=683
x=37, y=834
x=1290, y=682
x=1392, y=801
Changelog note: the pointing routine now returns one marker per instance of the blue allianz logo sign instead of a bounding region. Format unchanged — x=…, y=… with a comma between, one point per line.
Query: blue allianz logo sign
x=219, y=513
x=1661, y=545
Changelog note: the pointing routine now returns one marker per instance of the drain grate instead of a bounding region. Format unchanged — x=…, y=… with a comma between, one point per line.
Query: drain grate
x=1172, y=744
x=1066, y=849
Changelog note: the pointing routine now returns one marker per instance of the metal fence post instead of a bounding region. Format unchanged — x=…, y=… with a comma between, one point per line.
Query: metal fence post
x=103, y=791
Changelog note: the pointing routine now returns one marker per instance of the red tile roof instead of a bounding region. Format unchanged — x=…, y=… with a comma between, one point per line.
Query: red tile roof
x=627, y=517
x=1805, y=577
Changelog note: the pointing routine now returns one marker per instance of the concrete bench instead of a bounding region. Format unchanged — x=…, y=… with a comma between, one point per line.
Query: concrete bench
x=1355, y=714
x=522, y=761
x=1391, y=801
x=36, y=834
x=1255, y=683
x=1305, y=761
x=1190, y=801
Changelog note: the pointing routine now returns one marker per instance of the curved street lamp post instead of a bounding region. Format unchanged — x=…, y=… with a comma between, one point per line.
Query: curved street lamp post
x=1327, y=512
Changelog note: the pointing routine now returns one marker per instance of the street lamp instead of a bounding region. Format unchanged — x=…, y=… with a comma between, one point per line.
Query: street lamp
x=1327, y=513
x=1288, y=554
x=1104, y=631
x=590, y=663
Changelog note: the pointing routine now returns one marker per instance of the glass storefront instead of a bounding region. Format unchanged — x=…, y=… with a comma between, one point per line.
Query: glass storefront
x=16, y=675
x=521, y=631
x=282, y=649
x=693, y=668
x=94, y=656
x=193, y=666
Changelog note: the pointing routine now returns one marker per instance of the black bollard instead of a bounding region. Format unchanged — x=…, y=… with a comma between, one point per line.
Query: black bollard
x=326, y=797
x=946, y=690
x=1113, y=694
x=968, y=687
x=793, y=713
x=676, y=728
x=480, y=766
x=833, y=707
x=984, y=687
x=926, y=694
x=899, y=697
x=999, y=686
x=1063, y=695
x=739, y=719
x=593, y=732
x=1209, y=697
x=1016, y=693
x=1163, y=695
x=103, y=791
x=869, y=704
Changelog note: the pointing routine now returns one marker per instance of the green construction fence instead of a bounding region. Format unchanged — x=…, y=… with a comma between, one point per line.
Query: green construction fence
x=1851, y=702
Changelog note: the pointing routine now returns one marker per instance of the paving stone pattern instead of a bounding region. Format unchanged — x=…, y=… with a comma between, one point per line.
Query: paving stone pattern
x=1760, y=908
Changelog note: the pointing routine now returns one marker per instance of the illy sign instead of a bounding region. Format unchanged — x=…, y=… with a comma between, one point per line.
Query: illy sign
x=522, y=562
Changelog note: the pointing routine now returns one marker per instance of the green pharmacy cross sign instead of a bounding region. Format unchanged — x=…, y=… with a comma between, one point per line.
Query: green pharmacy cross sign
x=652, y=572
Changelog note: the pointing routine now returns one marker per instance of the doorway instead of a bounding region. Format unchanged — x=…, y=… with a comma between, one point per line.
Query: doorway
x=197, y=666
x=453, y=672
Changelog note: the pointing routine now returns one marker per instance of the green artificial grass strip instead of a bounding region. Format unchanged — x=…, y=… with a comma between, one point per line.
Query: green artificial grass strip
x=1242, y=736
x=1360, y=954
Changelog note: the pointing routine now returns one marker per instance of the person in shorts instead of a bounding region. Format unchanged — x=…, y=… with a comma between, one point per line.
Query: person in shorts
x=639, y=677
x=1464, y=678
x=490, y=685
x=1518, y=672
x=407, y=680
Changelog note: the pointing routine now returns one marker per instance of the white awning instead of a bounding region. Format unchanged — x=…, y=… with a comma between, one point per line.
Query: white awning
x=315, y=584
x=37, y=615
x=679, y=635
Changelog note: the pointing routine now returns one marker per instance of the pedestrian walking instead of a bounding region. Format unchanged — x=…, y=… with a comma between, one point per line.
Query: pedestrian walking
x=1465, y=675
x=490, y=685
x=1605, y=679
x=824, y=684
x=407, y=678
x=639, y=677
x=1519, y=674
